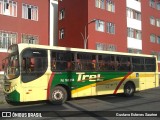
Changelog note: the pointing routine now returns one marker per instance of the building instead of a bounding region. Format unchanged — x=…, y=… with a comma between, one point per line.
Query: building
x=27, y=21
x=112, y=25
x=130, y=26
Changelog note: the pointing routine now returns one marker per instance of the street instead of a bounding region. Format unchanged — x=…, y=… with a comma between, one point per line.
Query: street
x=99, y=107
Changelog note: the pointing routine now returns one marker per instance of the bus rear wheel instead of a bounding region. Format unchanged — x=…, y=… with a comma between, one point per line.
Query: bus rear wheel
x=58, y=95
x=129, y=89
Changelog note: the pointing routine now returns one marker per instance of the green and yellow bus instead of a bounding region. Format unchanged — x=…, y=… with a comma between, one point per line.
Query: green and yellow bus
x=37, y=72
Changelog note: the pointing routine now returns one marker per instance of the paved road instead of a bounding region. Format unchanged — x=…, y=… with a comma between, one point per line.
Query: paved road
x=93, y=108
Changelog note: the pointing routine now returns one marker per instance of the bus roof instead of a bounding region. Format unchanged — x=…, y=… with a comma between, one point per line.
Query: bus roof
x=24, y=45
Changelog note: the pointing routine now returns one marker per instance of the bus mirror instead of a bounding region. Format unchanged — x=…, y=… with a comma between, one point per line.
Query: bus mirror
x=15, y=63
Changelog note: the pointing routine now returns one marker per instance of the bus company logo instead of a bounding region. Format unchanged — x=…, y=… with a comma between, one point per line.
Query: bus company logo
x=84, y=77
x=6, y=114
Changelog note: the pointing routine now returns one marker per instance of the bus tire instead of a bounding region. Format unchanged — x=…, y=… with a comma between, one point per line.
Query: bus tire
x=58, y=95
x=129, y=89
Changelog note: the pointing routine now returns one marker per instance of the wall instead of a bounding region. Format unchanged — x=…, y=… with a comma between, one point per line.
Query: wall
x=76, y=17
x=118, y=18
x=148, y=29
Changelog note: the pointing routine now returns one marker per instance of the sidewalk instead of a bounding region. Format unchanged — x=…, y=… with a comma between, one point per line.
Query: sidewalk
x=2, y=98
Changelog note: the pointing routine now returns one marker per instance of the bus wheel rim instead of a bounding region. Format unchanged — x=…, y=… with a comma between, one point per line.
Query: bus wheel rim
x=129, y=90
x=57, y=95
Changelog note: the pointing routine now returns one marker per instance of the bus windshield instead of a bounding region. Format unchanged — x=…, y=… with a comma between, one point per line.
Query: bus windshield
x=11, y=67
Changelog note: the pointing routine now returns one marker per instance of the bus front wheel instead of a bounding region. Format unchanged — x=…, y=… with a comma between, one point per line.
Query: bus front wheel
x=58, y=95
x=129, y=89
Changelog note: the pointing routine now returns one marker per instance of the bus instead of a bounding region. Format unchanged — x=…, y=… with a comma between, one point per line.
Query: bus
x=56, y=74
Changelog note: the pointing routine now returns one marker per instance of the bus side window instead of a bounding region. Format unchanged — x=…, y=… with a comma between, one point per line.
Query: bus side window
x=79, y=65
x=150, y=64
x=124, y=63
x=85, y=61
x=101, y=62
x=32, y=64
x=138, y=64
x=69, y=59
x=53, y=64
x=93, y=64
x=23, y=64
x=61, y=60
x=53, y=61
x=28, y=64
x=116, y=65
x=128, y=65
x=111, y=63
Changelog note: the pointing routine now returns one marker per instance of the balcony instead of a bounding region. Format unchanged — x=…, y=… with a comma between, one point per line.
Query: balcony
x=136, y=5
x=134, y=43
x=133, y=23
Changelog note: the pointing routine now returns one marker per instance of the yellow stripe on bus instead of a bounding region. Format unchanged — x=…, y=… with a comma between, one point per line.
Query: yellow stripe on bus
x=147, y=75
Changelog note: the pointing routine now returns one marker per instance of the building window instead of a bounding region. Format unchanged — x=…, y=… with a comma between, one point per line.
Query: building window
x=30, y=12
x=158, y=39
x=104, y=46
x=130, y=50
x=100, y=46
x=152, y=20
x=158, y=22
x=110, y=6
x=158, y=5
x=152, y=3
x=30, y=39
x=138, y=34
x=152, y=38
x=131, y=32
x=137, y=15
x=8, y=7
x=100, y=4
x=111, y=28
x=99, y=25
x=129, y=13
x=133, y=14
x=111, y=47
x=7, y=39
x=61, y=14
x=61, y=33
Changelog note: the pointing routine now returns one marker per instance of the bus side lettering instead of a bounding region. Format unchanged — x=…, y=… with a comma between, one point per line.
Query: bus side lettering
x=83, y=77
